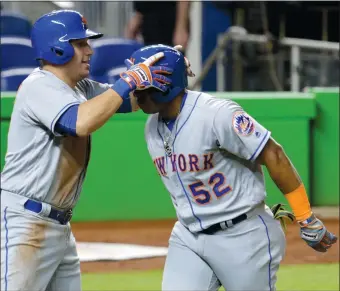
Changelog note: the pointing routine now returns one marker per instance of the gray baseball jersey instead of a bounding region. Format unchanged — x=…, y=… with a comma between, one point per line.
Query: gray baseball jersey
x=37, y=251
x=40, y=163
x=207, y=161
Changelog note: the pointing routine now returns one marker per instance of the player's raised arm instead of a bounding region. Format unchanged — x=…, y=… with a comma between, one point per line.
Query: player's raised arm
x=91, y=89
x=60, y=40
x=95, y=112
x=287, y=179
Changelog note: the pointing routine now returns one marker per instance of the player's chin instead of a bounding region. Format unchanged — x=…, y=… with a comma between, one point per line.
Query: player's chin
x=84, y=73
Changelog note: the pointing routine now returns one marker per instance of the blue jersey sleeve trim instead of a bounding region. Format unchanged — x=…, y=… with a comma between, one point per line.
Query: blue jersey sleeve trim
x=56, y=118
x=261, y=146
x=67, y=123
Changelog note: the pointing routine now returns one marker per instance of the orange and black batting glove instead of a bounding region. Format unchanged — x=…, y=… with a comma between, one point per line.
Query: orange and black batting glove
x=143, y=76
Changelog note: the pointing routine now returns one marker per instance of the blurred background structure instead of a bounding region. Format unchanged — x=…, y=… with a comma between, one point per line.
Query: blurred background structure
x=262, y=46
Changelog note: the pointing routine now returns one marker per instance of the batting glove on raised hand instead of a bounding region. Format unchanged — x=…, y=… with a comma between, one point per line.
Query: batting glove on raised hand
x=143, y=76
x=315, y=234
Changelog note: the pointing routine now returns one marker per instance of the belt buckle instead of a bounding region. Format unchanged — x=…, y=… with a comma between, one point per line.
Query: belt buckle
x=65, y=216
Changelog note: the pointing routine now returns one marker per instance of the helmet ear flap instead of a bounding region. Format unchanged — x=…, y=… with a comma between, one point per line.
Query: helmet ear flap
x=63, y=55
x=58, y=51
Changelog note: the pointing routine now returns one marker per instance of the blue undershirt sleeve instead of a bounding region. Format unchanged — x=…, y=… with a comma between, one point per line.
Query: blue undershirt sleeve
x=67, y=123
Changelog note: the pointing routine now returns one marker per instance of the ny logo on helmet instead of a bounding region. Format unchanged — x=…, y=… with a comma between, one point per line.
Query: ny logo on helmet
x=84, y=22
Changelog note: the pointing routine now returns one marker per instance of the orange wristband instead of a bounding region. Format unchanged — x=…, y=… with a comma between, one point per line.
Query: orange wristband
x=299, y=202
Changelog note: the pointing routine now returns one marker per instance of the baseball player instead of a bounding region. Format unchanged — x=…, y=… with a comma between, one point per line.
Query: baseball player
x=56, y=110
x=209, y=153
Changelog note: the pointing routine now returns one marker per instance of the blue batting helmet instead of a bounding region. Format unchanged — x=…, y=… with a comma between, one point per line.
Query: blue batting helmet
x=173, y=59
x=52, y=32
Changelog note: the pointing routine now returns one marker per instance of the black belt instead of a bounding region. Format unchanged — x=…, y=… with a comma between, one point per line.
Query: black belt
x=62, y=216
x=226, y=224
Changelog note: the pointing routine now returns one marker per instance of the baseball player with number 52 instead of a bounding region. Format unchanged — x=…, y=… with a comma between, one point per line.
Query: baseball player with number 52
x=209, y=152
x=56, y=109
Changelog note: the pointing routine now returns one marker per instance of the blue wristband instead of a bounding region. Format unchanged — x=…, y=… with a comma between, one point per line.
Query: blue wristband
x=122, y=88
x=126, y=106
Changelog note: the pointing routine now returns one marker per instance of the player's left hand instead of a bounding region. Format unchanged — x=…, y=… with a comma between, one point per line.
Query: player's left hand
x=315, y=234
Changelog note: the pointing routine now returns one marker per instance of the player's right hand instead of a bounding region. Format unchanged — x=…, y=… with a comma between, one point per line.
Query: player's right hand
x=315, y=234
x=143, y=76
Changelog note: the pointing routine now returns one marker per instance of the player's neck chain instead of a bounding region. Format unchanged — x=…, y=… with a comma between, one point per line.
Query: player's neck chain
x=167, y=135
x=167, y=147
x=167, y=139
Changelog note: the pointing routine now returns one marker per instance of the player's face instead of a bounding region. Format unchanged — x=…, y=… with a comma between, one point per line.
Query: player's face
x=146, y=103
x=79, y=66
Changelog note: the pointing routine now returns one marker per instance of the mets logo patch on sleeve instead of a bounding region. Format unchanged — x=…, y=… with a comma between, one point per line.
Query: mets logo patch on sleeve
x=243, y=123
